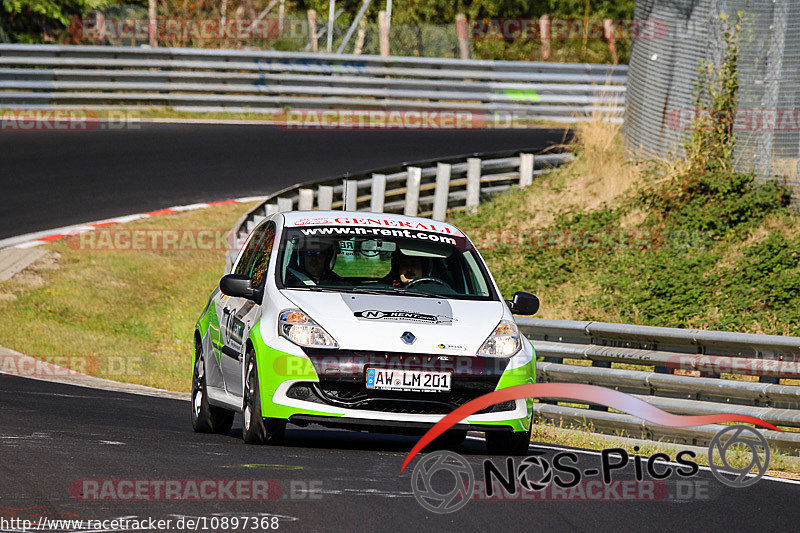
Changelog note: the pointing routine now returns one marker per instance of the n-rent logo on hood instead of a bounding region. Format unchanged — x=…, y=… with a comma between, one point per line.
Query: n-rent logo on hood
x=403, y=316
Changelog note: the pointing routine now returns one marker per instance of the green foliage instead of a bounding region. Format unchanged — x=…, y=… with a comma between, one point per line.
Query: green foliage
x=717, y=201
x=712, y=140
x=692, y=262
x=32, y=21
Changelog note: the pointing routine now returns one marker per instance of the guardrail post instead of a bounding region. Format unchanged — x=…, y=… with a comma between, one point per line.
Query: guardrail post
x=412, y=191
x=272, y=209
x=285, y=204
x=378, y=194
x=305, y=200
x=350, y=195
x=324, y=197
x=599, y=364
x=442, y=191
x=473, y=183
x=525, y=169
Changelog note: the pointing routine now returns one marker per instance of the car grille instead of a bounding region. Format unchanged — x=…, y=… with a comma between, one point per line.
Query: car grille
x=352, y=397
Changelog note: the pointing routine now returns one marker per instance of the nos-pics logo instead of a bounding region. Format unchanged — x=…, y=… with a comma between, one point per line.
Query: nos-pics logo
x=444, y=481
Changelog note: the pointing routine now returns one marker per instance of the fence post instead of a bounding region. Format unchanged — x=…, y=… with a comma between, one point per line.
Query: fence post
x=544, y=31
x=608, y=30
x=350, y=195
x=312, y=29
x=284, y=204
x=324, y=197
x=360, y=36
x=525, y=169
x=462, y=31
x=383, y=31
x=378, y=193
x=305, y=201
x=442, y=191
x=412, y=191
x=473, y=183
x=152, y=22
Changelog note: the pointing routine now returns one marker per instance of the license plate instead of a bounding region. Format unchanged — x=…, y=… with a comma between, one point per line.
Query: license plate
x=408, y=380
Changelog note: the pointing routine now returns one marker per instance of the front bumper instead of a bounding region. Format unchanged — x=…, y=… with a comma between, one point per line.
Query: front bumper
x=328, y=387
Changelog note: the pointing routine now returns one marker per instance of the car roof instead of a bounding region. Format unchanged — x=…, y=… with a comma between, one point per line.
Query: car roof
x=367, y=219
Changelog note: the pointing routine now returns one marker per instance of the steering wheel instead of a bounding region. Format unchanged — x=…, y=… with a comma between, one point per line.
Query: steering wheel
x=431, y=280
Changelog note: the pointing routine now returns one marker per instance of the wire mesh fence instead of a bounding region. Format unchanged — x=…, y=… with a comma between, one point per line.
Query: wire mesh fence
x=663, y=75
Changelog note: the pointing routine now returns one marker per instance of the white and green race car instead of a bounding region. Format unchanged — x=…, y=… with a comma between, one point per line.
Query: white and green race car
x=362, y=321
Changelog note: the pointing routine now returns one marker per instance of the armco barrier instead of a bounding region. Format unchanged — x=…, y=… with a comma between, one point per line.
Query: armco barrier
x=424, y=188
x=257, y=81
x=738, y=373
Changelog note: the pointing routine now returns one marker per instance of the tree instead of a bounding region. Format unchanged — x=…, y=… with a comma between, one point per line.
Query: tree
x=35, y=21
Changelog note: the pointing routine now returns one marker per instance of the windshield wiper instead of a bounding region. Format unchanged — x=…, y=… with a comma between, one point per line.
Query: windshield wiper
x=318, y=289
x=404, y=292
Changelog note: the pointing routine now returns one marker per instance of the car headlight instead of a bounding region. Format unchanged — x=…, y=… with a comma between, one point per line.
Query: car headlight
x=503, y=342
x=301, y=330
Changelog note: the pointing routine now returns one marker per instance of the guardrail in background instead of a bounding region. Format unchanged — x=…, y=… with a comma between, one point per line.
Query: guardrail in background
x=672, y=354
x=424, y=188
x=206, y=80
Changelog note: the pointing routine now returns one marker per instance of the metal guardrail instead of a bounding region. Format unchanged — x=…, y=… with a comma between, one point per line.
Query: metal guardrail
x=424, y=188
x=269, y=82
x=660, y=366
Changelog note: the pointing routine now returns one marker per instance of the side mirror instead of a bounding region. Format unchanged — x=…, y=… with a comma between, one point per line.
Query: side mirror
x=239, y=285
x=523, y=303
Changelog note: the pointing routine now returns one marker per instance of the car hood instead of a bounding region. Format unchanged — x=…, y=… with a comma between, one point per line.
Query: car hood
x=379, y=322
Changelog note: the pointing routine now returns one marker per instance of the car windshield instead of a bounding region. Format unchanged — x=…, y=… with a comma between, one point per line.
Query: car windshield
x=383, y=261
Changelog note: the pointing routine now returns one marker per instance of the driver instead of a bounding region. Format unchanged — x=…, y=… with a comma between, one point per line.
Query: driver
x=409, y=269
x=406, y=269
x=314, y=265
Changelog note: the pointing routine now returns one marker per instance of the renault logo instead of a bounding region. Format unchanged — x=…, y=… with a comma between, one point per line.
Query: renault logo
x=408, y=337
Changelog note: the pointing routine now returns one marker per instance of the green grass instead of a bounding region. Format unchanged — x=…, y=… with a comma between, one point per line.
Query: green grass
x=121, y=314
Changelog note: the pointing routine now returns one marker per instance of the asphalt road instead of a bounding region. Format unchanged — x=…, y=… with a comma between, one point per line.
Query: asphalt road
x=56, y=178
x=54, y=435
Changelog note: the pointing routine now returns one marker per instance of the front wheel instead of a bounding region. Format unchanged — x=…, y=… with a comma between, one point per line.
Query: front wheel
x=257, y=429
x=508, y=442
x=206, y=418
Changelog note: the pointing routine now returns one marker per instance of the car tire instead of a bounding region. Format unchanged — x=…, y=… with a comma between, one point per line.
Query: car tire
x=256, y=429
x=508, y=442
x=206, y=418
